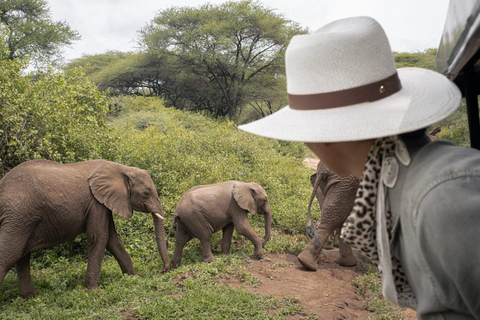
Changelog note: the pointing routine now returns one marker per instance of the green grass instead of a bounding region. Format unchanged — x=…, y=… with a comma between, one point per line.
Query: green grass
x=193, y=291
x=369, y=287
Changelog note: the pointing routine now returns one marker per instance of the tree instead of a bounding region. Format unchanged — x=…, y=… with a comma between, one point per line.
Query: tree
x=30, y=32
x=221, y=49
x=126, y=73
x=52, y=116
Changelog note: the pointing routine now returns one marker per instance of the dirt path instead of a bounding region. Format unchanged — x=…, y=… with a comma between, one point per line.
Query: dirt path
x=311, y=162
x=328, y=292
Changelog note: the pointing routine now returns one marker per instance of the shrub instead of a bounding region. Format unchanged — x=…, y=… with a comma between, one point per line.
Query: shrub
x=182, y=150
x=50, y=116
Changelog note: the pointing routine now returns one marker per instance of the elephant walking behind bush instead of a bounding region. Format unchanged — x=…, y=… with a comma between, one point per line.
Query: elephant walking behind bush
x=44, y=203
x=204, y=210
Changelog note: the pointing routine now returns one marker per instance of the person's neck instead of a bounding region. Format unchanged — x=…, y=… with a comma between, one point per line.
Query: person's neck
x=343, y=158
x=355, y=156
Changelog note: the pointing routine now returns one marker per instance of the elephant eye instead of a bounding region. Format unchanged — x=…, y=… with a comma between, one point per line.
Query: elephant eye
x=146, y=193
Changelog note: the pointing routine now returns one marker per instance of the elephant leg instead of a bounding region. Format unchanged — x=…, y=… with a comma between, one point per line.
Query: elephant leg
x=25, y=284
x=97, y=237
x=329, y=242
x=227, y=238
x=308, y=257
x=244, y=228
x=337, y=205
x=116, y=248
x=181, y=239
x=207, y=255
x=346, y=257
x=12, y=247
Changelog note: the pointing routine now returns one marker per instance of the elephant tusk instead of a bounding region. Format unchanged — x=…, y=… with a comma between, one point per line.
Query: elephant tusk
x=158, y=215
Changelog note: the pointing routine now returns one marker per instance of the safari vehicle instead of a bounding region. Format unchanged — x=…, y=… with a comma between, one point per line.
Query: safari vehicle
x=458, y=57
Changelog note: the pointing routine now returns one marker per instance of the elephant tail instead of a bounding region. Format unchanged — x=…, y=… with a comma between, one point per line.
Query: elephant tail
x=175, y=216
x=310, y=230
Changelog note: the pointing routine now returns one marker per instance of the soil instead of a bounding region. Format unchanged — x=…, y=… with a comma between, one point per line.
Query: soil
x=327, y=293
x=311, y=162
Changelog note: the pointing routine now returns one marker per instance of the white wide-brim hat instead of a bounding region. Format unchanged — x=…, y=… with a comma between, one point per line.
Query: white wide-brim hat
x=343, y=85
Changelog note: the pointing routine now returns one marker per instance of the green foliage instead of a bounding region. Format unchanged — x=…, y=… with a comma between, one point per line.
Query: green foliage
x=221, y=49
x=182, y=150
x=369, y=286
x=191, y=292
x=262, y=102
x=455, y=127
x=126, y=73
x=30, y=32
x=425, y=59
x=51, y=116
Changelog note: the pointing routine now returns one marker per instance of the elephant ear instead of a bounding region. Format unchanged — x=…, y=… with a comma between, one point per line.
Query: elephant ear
x=244, y=194
x=110, y=185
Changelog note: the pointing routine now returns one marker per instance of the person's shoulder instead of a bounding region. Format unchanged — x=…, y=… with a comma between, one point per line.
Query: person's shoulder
x=444, y=149
x=439, y=165
x=440, y=160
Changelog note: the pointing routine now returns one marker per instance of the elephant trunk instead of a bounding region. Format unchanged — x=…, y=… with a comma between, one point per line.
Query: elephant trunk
x=268, y=225
x=160, y=237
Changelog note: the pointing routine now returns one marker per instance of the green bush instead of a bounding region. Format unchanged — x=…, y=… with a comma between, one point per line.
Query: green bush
x=455, y=127
x=182, y=150
x=50, y=116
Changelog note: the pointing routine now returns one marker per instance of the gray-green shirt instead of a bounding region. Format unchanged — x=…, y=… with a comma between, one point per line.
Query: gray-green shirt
x=435, y=205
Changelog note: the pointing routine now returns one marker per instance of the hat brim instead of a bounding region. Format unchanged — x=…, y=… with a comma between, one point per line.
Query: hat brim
x=426, y=97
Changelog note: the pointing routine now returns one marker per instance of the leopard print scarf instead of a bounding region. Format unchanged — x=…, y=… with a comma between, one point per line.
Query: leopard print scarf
x=368, y=229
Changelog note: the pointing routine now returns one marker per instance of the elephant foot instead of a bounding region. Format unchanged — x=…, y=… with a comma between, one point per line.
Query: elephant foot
x=347, y=261
x=308, y=260
x=259, y=252
x=91, y=287
x=167, y=268
x=27, y=294
x=209, y=259
x=308, y=257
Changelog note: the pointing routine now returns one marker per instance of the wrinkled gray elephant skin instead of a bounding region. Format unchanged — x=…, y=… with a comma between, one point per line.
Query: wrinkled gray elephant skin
x=44, y=203
x=336, y=196
x=204, y=210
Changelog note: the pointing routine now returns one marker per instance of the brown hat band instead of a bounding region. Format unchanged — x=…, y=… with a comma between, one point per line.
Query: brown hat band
x=366, y=93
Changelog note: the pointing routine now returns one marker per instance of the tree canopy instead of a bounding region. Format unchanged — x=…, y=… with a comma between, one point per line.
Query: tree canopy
x=220, y=50
x=30, y=32
x=49, y=116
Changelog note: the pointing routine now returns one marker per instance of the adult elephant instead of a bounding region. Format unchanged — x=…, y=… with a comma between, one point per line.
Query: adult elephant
x=336, y=196
x=44, y=203
x=206, y=209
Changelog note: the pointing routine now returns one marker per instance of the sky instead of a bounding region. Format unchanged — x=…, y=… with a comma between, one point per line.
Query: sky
x=104, y=25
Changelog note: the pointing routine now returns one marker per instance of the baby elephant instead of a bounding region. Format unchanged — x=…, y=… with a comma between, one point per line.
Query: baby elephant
x=206, y=209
